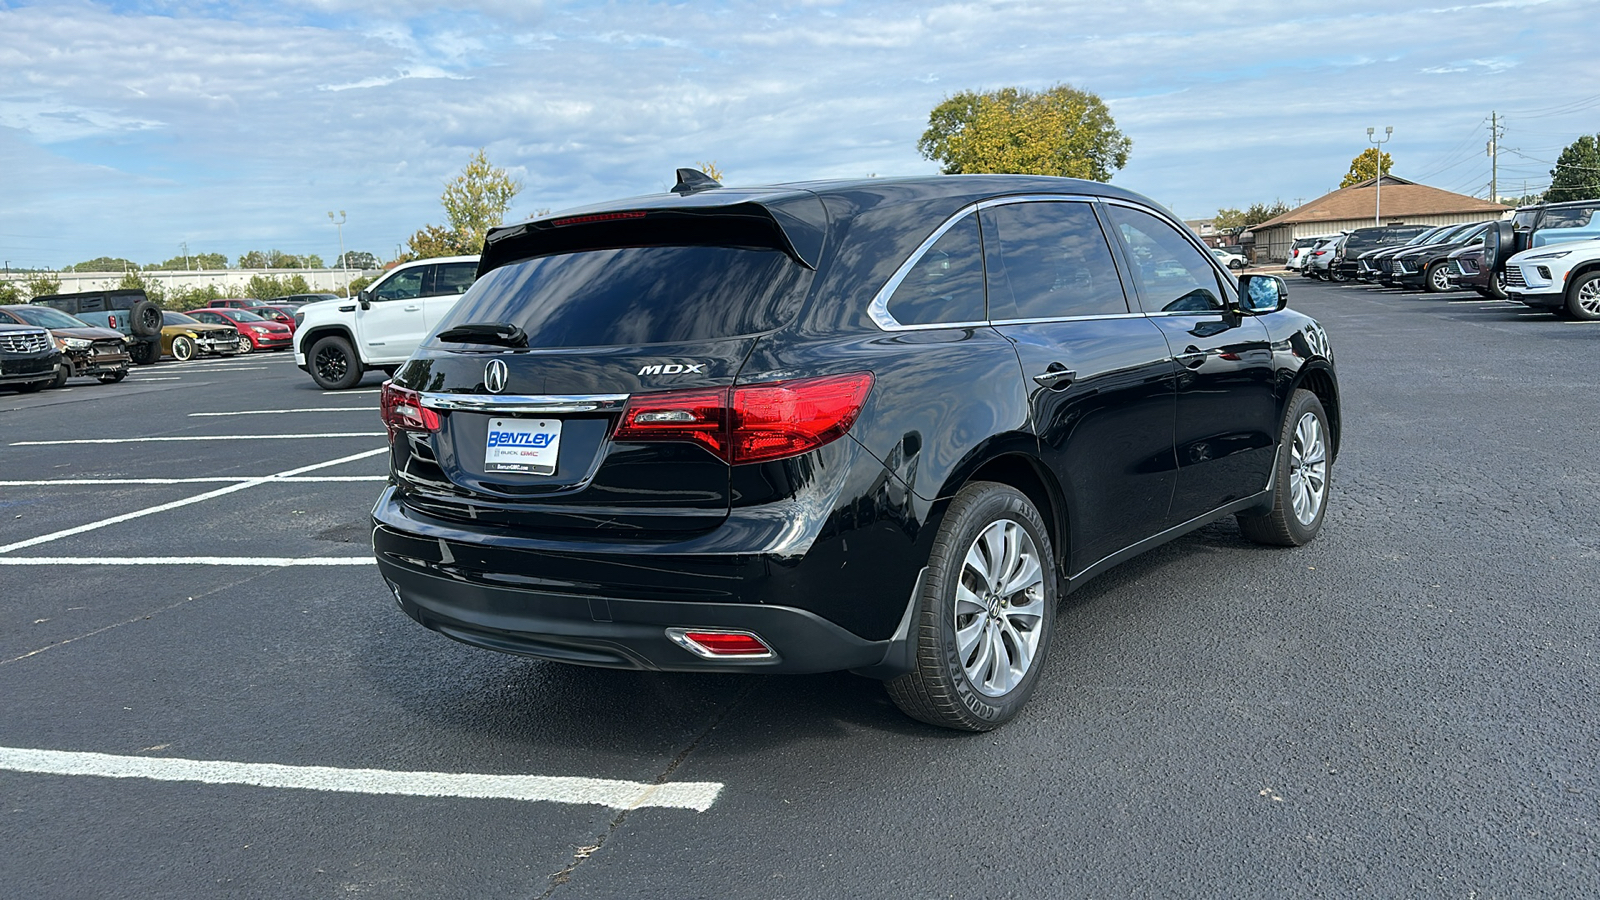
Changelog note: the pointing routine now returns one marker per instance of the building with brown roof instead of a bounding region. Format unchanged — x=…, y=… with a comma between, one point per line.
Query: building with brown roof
x=1403, y=203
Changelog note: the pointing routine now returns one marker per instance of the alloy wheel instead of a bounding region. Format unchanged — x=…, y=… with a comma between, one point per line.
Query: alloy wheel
x=331, y=363
x=1440, y=276
x=1588, y=298
x=999, y=607
x=1308, y=469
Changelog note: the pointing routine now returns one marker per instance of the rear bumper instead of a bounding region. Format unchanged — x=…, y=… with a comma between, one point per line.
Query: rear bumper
x=610, y=605
x=612, y=633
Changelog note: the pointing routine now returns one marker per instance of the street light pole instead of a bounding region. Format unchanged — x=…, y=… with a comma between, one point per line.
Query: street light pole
x=344, y=263
x=1378, y=202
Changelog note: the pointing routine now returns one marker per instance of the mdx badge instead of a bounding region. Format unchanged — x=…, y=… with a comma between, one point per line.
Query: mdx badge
x=674, y=369
x=494, y=376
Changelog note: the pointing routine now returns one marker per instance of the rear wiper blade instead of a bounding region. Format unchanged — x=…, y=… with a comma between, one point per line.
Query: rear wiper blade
x=503, y=333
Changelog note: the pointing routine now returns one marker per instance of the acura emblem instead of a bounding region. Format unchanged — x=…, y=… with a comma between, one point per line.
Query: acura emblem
x=494, y=376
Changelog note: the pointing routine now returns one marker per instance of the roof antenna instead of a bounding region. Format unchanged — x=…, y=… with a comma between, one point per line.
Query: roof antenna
x=693, y=181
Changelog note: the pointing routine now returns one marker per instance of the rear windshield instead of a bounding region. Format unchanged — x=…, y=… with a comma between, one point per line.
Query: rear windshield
x=176, y=318
x=636, y=295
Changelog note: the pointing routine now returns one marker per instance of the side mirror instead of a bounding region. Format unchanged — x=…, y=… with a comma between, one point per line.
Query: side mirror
x=1262, y=294
x=365, y=299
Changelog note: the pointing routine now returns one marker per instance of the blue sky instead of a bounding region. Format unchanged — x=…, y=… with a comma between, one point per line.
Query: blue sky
x=130, y=128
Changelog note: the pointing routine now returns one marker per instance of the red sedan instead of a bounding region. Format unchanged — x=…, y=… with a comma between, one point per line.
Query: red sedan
x=283, y=315
x=260, y=334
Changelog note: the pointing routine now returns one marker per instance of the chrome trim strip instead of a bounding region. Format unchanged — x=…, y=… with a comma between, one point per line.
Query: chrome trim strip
x=1046, y=320
x=512, y=403
x=878, y=309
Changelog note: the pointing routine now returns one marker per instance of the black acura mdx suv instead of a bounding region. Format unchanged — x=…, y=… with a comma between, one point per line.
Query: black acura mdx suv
x=878, y=425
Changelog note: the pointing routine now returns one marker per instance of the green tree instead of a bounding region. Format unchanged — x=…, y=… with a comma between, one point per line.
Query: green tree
x=41, y=284
x=105, y=264
x=1577, y=172
x=267, y=287
x=474, y=202
x=1236, y=220
x=151, y=287
x=356, y=259
x=9, y=293
x=1365, y=166
x=191, y=297
x=1060, y=131
x=277, y=259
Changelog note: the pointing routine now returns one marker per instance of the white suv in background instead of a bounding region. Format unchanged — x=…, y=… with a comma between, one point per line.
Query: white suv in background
x=337, y=341
x=1563, y=278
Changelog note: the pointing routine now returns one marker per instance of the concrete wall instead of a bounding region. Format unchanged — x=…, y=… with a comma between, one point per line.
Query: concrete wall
x=230, y=281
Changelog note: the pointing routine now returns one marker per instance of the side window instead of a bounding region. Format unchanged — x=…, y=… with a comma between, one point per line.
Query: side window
x=1173, y=276
x=1049, y=260
x=453, y=278
x=209, y=318
x=403, y=285
x=946, y=284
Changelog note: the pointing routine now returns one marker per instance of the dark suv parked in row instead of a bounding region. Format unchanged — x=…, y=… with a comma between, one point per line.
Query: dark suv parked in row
x=875, y=425
x=28, y=357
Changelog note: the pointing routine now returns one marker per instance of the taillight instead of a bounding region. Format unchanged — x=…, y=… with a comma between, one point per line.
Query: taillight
x=402, y=410
x=719, y=643
x=750, y=423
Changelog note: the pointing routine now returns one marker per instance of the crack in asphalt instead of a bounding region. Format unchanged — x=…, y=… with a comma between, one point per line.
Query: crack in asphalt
x=583, y=854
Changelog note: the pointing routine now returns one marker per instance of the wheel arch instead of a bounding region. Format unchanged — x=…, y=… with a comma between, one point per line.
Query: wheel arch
x=1317, y=377
x=318, y=332
x=1580, y=270
x=1012, y=460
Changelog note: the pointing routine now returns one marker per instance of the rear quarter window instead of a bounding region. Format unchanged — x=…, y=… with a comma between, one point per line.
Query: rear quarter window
x=637, y=295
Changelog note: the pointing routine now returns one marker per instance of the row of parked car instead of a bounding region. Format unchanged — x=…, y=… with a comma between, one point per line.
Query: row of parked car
x=102, y=334
x=1546, y=256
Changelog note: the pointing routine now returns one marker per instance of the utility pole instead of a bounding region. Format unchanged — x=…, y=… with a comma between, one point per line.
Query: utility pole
x=343, y=263
x=1377, y=207
x=1496, y=131
x=186, y=266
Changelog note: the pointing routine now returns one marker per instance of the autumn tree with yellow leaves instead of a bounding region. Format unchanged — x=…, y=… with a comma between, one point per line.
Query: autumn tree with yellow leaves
x=1061, y=131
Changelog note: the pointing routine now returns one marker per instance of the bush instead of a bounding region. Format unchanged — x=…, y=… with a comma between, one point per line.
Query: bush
x=268, y=287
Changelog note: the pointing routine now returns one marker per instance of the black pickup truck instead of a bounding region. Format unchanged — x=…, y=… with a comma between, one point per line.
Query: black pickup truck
x=126, y=310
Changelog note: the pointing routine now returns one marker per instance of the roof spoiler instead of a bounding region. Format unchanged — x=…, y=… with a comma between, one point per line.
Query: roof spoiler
x=795, y=224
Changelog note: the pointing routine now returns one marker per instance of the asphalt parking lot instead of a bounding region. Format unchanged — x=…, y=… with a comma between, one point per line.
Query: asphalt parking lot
x=209, y=692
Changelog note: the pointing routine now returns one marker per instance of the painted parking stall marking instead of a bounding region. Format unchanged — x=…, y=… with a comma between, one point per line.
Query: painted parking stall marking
x=695, y=795
x=217, y=437
x=175, y=504
x=280, y=562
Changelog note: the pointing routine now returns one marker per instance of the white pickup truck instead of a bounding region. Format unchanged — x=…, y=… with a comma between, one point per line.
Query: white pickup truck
x=338, y=341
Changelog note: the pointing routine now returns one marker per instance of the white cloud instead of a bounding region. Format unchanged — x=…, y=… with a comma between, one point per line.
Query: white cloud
x=247, y=123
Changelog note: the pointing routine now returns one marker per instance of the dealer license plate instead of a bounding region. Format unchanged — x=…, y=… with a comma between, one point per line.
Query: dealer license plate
x=523, y=445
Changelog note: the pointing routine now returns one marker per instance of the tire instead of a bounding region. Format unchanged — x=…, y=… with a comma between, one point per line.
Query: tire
x=144, y=319
x=244, y=345
x=1497, y=286
x=1583, y=297
x=146, y=353
x=184, y=348
x=966, y=622
x=1300, y=490
x=63, y=372
x=1337, y=276
x=333, y=364
x=1436, y=278
x=112, y=377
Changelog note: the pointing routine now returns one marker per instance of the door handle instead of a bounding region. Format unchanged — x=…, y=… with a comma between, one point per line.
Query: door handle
x=412, y=308
x=1192, y=357
x=1056, y=377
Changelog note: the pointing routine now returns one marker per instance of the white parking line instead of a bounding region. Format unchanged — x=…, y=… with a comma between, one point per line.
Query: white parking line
x=274, y=562
x=273, y=412
x=216, y=437
x=348, y=393
x=148, y=378
x=68, y=532
x=210, y=479
x=695, y=795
